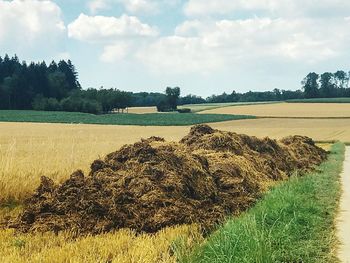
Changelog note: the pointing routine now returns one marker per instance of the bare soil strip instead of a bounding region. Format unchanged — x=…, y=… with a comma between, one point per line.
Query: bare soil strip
x=344, y=217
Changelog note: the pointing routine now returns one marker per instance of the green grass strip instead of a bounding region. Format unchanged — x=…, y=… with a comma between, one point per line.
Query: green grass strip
x=294, y=222
x=320, y=100
x=152, y=119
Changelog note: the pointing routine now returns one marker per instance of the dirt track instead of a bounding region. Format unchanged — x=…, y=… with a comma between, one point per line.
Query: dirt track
x=344, y=217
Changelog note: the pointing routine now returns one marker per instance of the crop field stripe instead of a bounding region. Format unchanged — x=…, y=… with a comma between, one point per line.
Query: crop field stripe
x=303, y=118
x=151, y=119
x=294, y=222
x=195, y=108
x=320, y=100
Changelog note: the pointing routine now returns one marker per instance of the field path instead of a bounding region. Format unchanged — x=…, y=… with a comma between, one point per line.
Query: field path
x=344, y=217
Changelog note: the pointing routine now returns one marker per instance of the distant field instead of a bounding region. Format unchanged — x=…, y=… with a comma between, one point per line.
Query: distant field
x=210, y=106
x=150, y=119
x=321, y=100
x=31, y=150
x=142, y=110
x=297, y=110
x=318, y=129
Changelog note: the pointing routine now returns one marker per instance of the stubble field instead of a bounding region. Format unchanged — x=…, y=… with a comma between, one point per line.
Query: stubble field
x=31, y=150
x=288, y=110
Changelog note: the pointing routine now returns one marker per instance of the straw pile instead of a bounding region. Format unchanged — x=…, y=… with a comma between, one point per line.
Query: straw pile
x=153, y=184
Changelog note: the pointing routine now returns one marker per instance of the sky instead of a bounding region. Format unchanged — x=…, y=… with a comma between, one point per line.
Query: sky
x=204, y=47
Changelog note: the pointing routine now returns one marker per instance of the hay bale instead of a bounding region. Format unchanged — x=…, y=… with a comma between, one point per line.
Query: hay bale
x=154, y=184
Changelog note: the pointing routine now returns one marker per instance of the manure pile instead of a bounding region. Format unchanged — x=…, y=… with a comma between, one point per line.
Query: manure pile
x=153, y=184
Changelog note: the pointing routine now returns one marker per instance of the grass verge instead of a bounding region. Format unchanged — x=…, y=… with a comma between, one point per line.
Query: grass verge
x=151, y=119
x=321, y=100
x=294, y=222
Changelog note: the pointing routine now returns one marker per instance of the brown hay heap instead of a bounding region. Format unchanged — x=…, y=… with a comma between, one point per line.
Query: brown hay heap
x=154, y=184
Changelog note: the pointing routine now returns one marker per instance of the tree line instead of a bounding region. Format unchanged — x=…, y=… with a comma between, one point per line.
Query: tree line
x=22, y=84
x=327, y=85
x=55, y=87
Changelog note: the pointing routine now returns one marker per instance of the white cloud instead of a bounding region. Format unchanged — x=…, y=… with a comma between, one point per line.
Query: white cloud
x=115, y=52
x=27, y=21
x=103, y=28
x=176, y=54
x=32, y=29
x=141, y=7
x=277, y=7
x=202, y=47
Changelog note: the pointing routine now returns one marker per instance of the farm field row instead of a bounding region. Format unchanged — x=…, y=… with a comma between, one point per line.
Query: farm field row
x=318, y=129
x=60, y=149
x=211, y=106
x=184, y=242
x=321, y=100
x=142, y=110
x=310, y=110
x=195, y=107
x=147, y=119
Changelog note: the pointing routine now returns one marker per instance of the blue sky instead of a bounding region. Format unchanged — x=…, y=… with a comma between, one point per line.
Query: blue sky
x=204, y=47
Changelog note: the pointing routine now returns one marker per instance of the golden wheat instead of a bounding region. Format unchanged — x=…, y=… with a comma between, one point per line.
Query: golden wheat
x=142, y=110
x=288, y=110
x=28, y=151
x=123, y=246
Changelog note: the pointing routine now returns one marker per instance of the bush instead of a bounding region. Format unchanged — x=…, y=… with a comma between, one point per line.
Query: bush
x=81, y=105
x=184, y=110
x=45, y=104
x=39, y=102
x=52, y=105
x=163, y=106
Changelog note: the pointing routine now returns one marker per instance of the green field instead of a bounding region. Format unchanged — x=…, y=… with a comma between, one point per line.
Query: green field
x=293, y=223
x=152, y=119
x=321, y=100
x=210, y=106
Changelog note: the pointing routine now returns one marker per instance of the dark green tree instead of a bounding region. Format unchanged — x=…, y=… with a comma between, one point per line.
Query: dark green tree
x=173, y=95
x=310, y=85
x=327, y=88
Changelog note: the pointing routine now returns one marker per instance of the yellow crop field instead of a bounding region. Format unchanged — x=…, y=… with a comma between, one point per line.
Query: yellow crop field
x=142, y=110
x=28, y=151
x=318, y=129
x=312, y=110
x=123, y=246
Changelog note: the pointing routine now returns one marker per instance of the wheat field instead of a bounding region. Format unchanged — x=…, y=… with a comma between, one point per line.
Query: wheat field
x=142, y=110
x=123, y=246
x=311, y=110
x=318, y=129
x=30, y=150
